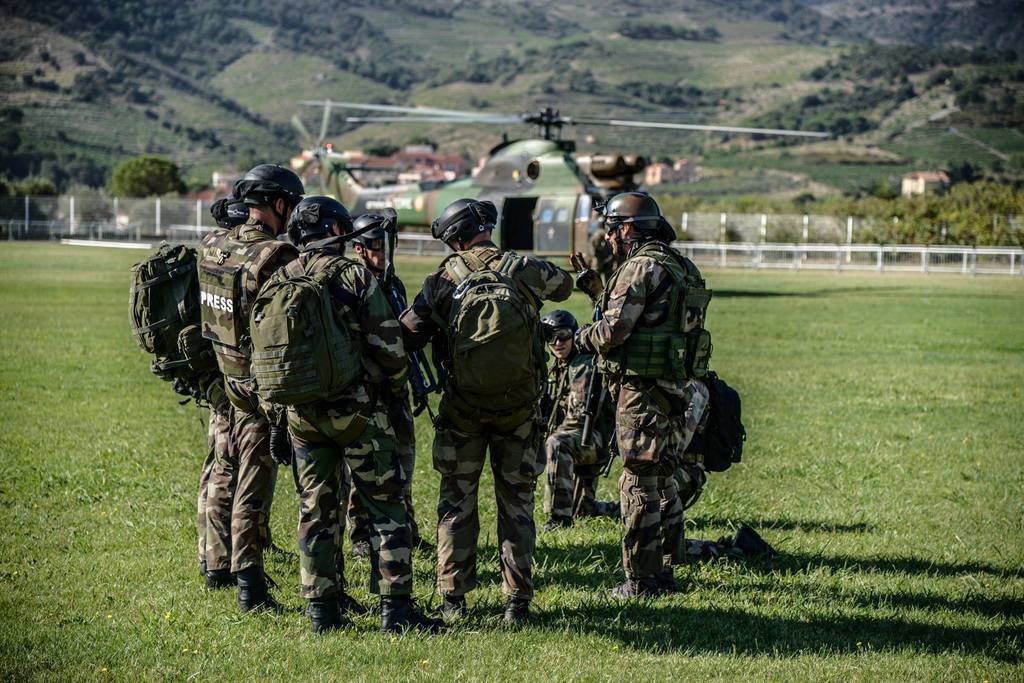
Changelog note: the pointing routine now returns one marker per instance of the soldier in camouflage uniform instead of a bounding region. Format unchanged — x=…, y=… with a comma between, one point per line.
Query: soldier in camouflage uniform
x=351, y=430
x=467, y=428
x=602, y=259
x=652, y=349
x=234, y=264
x=370, y=248
x=572, y=469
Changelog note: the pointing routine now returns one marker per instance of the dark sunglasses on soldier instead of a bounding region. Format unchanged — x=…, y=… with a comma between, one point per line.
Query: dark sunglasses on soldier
x=562, y=334
x=373, y=245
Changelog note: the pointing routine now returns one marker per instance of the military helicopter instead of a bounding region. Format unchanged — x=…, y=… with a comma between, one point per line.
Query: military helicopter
x=543, y=190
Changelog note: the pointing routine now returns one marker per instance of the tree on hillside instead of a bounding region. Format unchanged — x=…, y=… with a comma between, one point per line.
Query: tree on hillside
x=146, y=176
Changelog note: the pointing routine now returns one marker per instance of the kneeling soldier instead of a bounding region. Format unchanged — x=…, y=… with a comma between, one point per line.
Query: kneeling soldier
x=349, y=425
x=572, y=468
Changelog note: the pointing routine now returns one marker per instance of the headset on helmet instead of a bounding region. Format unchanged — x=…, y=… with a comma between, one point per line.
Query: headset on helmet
x=229, y=212
x=464, y=218
x=267, y=182
x=373, y=226
x=557, y=320
x=316, y=215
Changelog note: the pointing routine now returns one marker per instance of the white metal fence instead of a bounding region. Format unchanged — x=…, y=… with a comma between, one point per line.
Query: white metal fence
x=727, y=240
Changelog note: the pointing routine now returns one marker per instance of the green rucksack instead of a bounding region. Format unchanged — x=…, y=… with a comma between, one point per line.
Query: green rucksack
x=163, y=309
x=302, y=350
x=497, y=362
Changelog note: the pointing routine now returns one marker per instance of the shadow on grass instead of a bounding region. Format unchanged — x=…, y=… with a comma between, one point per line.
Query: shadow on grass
x=656, y=628
x=904, y=565
x=780, y=524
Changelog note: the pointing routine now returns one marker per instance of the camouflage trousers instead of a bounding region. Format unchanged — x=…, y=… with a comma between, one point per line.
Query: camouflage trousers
x=247, y=463
x=326, y=441
x=213, y=518
x=460, y=448
x=654, y=427
x=570, y=486
x=357, y=519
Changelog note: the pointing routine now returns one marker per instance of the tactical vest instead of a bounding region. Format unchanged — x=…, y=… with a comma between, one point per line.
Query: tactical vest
x=227, y=284
x=664, y=350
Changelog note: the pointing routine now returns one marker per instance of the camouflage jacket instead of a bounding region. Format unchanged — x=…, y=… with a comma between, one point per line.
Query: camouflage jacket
x=567, y=392
x=356, y=290
x=638, y=294
x=545, y=281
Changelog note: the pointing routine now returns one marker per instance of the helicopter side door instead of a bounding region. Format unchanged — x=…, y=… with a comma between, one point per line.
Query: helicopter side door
x=554, y=224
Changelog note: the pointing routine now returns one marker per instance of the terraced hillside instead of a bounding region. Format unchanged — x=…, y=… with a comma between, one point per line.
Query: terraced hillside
x=85, y=86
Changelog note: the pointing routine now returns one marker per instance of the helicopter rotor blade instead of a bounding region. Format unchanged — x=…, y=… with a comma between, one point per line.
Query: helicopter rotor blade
x=430, y=119
x=398, y=109
x=324, y=122
x=297, y=124
x=695, y=126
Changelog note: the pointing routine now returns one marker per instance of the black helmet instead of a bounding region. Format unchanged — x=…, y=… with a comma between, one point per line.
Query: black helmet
x=316, y=215
x=464, y=218
x=267, y=182
x=637, y=208
x=376, y=227
x=229, y=212
x=557, y=320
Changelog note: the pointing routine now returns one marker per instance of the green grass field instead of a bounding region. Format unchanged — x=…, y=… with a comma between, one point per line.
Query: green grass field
x=884, y=461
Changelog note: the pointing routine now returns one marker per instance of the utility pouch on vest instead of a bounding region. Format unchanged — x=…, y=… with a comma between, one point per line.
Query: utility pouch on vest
x=698, y=353
x=220, y=298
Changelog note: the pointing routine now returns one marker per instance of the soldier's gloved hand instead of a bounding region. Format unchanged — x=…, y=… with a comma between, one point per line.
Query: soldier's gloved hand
x=587, y=279
x=280, y=445
x=581, y=340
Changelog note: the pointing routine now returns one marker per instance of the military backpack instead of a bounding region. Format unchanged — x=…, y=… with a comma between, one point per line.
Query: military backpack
x=721, y=438
x=497, y=359
x=163, y=308
x=303, y=350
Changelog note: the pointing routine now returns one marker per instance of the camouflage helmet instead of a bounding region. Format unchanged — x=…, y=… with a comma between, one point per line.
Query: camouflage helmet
x=229, y=212
x=265, y=183
x=557, y=320
x=316, y=215
x=637, y=208
x=373, y=226
x=464, y=218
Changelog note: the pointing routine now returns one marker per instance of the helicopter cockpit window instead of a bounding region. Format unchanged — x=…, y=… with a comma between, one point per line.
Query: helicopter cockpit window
x=500, y=172
x=546, y=214
x=533, y=170
x=563, y=215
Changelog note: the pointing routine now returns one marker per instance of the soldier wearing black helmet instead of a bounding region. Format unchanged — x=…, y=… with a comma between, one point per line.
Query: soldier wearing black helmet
x=371, y=231
x=234, y=264
x=480, y=311
x=351, y=431
x=653, y=351
x=572, y=468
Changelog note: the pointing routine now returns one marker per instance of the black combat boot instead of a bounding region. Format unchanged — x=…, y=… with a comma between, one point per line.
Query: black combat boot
x=556, y=522
x=324, y=615
x=750, y=543
x=252, y=591
x=607, y=508
x=644, y=588
x=452, y=606
x=517, y=610
x=360, y=549
x=398, y=614
x=220, y=578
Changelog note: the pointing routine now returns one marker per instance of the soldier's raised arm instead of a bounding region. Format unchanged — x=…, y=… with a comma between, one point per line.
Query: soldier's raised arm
x=547, y=281
x=627, y=300
x=418, y=324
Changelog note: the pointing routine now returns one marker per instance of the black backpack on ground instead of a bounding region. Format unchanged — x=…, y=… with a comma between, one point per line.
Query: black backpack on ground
x=721, y=439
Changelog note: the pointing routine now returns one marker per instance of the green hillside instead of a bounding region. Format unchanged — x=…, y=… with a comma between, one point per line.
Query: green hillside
x=83, y=87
